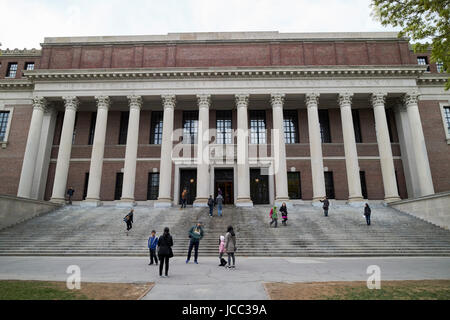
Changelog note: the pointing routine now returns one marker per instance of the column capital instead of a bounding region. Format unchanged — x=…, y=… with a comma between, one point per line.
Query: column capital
x=277, y=99
x=204, y=100
x=135, y=102
x=103, y=102
x=40, y=103
x=242, y=100
x=71, y=102
x=378, y=98
x=345, y=99
x=312, y=99
x=410, y=98
x=168, y=100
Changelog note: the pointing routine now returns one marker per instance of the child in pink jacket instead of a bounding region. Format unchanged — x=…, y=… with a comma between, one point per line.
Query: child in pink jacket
x=222, y=251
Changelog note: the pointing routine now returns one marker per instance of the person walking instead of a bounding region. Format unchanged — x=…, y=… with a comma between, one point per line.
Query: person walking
x=284, y=213
x=222, y=261
x=152, y=244
x=211, y=205
x=165, y=243
x=70, y=193
x=129, y=220
x=219, y=201
x=183, y=198
x=274, y=216
x=326, y=205
x=230, y=246
x=195, y=234
x=367, y=212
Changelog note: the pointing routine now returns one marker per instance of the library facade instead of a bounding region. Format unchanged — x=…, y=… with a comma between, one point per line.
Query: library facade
x=261, y=117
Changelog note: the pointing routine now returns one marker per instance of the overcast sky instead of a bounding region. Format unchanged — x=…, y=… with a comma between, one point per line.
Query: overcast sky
x=25, y=23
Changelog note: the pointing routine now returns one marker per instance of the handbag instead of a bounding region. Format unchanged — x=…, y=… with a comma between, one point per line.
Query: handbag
x=170, y=252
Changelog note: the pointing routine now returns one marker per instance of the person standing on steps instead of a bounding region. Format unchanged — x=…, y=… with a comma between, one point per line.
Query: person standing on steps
x=152, y=243
x=367, y=212
x=165, y=243
x=70, y=193
x=326, y=205
x=211, y=205
x=195, y=234
x=284, y=213
x=183, y=198
x=129, y=220
x=230, y=246
x=219, y=201
x=274, y=216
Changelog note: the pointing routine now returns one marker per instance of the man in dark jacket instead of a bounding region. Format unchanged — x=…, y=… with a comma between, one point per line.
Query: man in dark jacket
x=211, y=205
x=129, y=219
x=70, y=193
x=195, y=234
x=367, y=212
x=326, y=204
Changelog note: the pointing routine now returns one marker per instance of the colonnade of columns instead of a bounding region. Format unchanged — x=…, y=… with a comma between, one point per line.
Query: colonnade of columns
x=243, y=174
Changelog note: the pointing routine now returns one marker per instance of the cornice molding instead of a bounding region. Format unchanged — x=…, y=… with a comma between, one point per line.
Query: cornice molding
x=21, y=52
x=24, y=84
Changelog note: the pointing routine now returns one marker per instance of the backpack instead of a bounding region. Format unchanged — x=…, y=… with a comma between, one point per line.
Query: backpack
x=271, y=213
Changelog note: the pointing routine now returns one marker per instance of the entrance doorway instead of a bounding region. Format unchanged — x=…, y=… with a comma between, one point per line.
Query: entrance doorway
x=223, y=179
x=259, y=187
x=188, y=181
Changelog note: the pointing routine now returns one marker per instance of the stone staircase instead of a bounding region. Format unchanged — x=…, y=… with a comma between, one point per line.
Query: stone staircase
x=78, y=231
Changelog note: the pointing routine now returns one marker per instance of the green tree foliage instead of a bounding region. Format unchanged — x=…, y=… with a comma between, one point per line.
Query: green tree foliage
x=425, y=22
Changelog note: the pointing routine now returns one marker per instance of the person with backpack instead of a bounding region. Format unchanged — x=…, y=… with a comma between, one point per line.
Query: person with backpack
x=70, y=193
x=152, y=244
x=230, y=246
x=211, y=205
x=284, y=213
x=326, y=205
x=165, y=243
x=223, y=262
x=195, y=234
x=129, y=220
x=219, y=201
x=274, y=216
x=367, y=212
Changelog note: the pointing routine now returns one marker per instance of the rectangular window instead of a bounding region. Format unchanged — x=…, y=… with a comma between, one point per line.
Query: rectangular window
x=153, y=186
x=75, y=128
x=29, y=66
x=123, y=130
x=4, y=115
x=290, y=123
x=329, y=184
x=423, y=61
x=388, y=120
x=446, y=116
x=12, y=70
x=357, y=125
x=224, y=127
x=92, y=128
x=440, y=67
x=294, y=185
x=119, y=183
x=258, y=126
x=156, y=127
x=86, y=182
x=190, y=127
x=362, y=177
x=324, y=121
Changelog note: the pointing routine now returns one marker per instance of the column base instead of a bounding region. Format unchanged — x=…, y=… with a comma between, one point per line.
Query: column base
x=91, y=203
x=163, y=203
x=391, y=199
x=58, y=200
x=125, y=203
x=201, y=202
x=244, y=202
x=356, y=202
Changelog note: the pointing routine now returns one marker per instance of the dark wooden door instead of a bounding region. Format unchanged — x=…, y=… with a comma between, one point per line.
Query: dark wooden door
x=224, y=181
x=188, y=181
x=259, y=187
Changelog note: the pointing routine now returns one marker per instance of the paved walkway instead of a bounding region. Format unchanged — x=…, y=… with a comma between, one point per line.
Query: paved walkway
x=208, y=281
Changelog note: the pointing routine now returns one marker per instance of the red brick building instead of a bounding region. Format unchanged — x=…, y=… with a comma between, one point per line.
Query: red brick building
x=264, y=116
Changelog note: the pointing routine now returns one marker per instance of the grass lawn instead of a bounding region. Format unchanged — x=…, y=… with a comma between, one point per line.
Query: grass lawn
x=55, y=290
x=357, y=290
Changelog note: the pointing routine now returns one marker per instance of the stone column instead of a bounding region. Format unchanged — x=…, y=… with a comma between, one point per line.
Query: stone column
x=165, y=167
x=98, y=148
x=65, y=149
x=204, y=102
x=419, y=146
x=243, y=169
x=32, y=148
x=384, y=148
x=315, y=145
x=129, y=170
x=351, y=154
x=279, y=149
